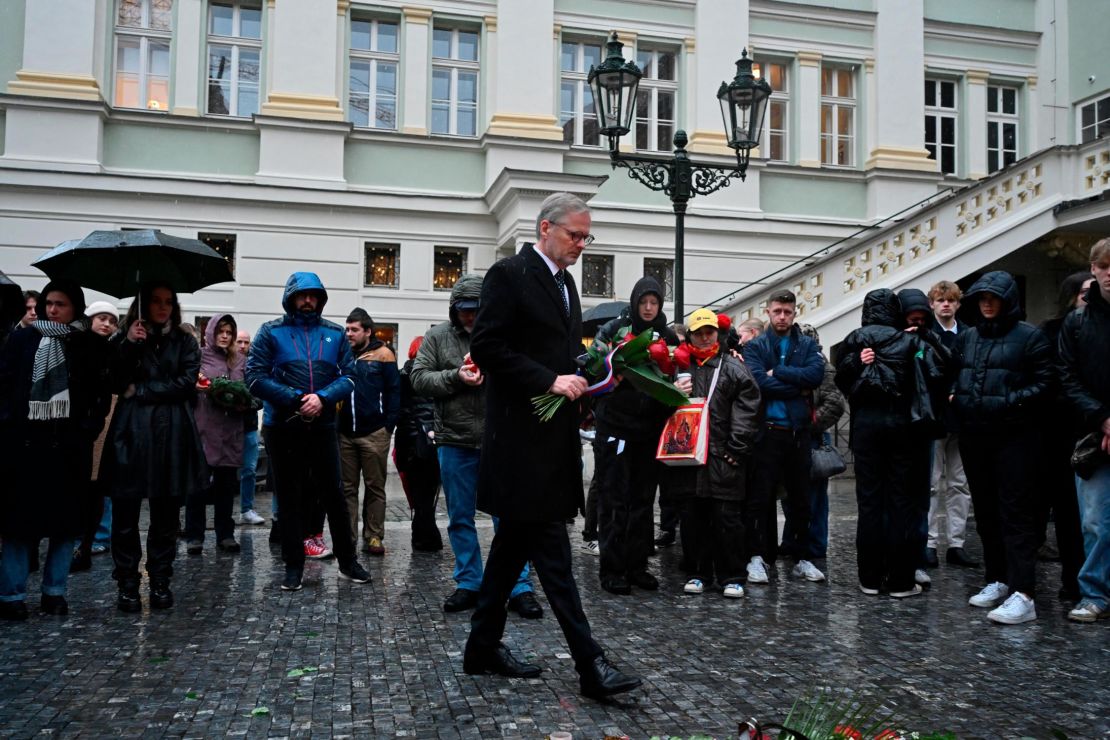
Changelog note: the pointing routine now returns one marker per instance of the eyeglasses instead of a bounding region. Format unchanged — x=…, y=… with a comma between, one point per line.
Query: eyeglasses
x=577, y=236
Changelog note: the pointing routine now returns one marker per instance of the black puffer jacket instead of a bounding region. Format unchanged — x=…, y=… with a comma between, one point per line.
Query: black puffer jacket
x=414, y=420
x=1084, y=358
x=627, y=413
x=1004, y=365
x=888, y=381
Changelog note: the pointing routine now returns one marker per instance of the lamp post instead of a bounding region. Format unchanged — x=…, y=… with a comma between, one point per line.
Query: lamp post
x=614, y=84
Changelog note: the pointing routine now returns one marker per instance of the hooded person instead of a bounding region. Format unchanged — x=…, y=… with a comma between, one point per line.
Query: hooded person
x=1005, y=376
x=300, y=366
x=629, y=423
x=53, y=399
x=220, y=423
x=444, y=372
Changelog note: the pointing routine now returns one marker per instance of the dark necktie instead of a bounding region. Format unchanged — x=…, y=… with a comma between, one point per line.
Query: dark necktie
x=561, y=280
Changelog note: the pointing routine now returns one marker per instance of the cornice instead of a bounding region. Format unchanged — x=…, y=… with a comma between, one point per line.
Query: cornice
x=813, y=15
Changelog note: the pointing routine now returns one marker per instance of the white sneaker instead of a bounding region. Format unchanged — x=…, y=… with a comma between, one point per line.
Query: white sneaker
x=251, y=517
x=921, y=578
x=868, y=591
x=694, y=586
x=906, y=594
x=807, y=570
x=757, y=571
x=1087, y=611
x=991, y=596
x=734, y=591
x=1017, y=609
x=591, y=547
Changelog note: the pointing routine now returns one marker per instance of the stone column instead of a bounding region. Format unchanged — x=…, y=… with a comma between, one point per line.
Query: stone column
x=190, y=34
x=61, y=49
x=721, y=31
x=416, y=30
x=1028, y=141
x=899, y=87
x=524, y=92
x=809, y=108
x=976, y=116
x=304, y=85
x=489, y=71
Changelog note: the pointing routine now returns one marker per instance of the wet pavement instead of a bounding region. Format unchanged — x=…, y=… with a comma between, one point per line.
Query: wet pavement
x=237, y=656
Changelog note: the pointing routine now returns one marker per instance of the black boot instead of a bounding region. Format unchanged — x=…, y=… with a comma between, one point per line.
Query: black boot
x=160, y=595
x=129, y=600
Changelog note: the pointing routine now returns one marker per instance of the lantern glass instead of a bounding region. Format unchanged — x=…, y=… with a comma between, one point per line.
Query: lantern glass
x=743, y=106
x=614, y=84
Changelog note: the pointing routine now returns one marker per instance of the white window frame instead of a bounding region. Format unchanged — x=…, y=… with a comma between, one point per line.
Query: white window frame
x=1099, y=123
x=998, y=120
x=577, y=77
x=455, y=65
x=652, y=86
x=145, y=35
x=237, y=43
x=780, y=95
x=374, y=57
x=836, y=102
x=940, y=112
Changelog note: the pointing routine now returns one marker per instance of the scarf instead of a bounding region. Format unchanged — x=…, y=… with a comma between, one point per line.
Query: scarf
x=49, y=377
x=703, y=355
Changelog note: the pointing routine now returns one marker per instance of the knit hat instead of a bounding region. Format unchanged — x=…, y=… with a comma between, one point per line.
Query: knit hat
x=98, y=307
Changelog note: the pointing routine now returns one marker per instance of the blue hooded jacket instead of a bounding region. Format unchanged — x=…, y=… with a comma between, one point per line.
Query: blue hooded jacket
x=297, y=355
x=785, y=397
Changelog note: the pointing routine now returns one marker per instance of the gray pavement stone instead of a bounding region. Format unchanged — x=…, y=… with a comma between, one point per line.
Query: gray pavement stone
x=383, y=660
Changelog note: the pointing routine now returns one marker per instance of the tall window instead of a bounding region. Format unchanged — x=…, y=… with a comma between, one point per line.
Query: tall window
x=778, y=110
x=940, y=123
x=372, y=101
x=576, y=103
x=454, y=81
x=382, y=265
x=234, y=51
x=662, y=271
x=224, y=244
x=655, y=101
x=1002, y=126
x=838, y=116
x=449, y=264
x=1094, y=120
x=597, y=275
x=143, y=36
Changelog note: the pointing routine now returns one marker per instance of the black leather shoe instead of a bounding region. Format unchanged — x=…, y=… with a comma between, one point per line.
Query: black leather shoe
x=461, y=600
x=160, y=595
x=957, y=556
x=292, y=580
x=54, y=605
x=525, y=605
x=500, y=662
x=643, y=579
x=129, y=600
x=601, y=679
x=13, y=611
x=931, y=560
x=616, y=585
x=666, y=538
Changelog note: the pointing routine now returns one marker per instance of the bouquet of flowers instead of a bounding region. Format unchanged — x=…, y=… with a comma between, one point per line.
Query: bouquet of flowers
x=230, y=394
x=641, y=360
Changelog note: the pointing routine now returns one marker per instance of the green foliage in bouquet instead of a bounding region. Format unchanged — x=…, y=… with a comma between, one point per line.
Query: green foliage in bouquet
x=231, y=394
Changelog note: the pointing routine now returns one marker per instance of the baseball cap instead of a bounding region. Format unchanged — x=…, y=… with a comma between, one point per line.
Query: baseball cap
x=467, y=304
x=701, y=317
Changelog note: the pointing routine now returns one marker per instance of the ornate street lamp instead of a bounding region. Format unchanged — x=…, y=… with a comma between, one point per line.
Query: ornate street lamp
x=743, y=101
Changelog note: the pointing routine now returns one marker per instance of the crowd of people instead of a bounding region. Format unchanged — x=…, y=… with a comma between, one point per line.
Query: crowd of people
x=998, y=415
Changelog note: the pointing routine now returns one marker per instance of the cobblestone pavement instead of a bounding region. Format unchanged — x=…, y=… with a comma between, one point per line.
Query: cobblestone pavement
x=237, y=656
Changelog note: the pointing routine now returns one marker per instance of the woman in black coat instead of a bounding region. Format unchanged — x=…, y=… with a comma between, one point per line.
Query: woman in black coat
x=414, y=454
x=153, y=449
x=53, y=399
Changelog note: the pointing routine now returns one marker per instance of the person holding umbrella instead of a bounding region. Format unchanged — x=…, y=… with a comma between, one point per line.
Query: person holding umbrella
x=153, y=449
x=53, y=399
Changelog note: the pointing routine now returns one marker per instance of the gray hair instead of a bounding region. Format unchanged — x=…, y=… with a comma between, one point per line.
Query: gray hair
x=557, y=205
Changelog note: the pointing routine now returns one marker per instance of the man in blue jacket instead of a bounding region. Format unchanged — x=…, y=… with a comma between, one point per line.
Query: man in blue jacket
x=301, y=366
x=788, y=366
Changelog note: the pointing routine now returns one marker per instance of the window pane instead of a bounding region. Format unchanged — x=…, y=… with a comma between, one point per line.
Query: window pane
x=219, y=98
x=159, y=59
x=468, y=46
x=387, y=80
x=566, y=98
x=588, y=102
x=161, y=14
x=826, y=119
x=1009, y=100
x=778, y=115
x=127, y=55
x=826, y=149
x=776, y=148
x=441, y=84
x=1087, y=133
x=441, y=43
x=948, y=130
x=932, y=149
x=642, y=141
x=130, y=13
x=360, y=35
x=644, y=60
x=387, y=37
x=221, y=20
x=664, y=136
x=844, y=151
x=248, y=66
x=826, y=81
x=992, y=161
x=360, y=77
x=992, y=135
x=844, y=120
x=666, y=106
x=643, y=103
x=358, y=109
x=467, y=121
x=219, y=62
x=776, y=76
x=930, y=129
x=844, y=83
x=468, y=87
x=1009, y=136
x=567, y=123
x=948, y=160
x=568, y=56
x=248, y=100
x=440, y=119
x=250, y=23
x=948, y=94
x=992, y=99
x=1008, y=158
x=930, y=92
x=590, y=135
x=666, y=65
x=385, y=114
x=1103, y=109
x=591, y=56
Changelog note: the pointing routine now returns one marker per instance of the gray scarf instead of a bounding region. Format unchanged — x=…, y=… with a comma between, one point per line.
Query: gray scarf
x=50, y=377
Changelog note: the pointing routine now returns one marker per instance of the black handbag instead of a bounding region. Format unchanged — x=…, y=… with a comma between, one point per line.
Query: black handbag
x=825, y=462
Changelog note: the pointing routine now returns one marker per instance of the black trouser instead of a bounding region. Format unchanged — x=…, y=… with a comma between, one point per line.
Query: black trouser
x=422, y=483
x=1001, y=473
x=670, y=503
x=547, y=546
x=716, y=534
x=93, y=512
x=161, y=538
x=628, y=476
x=888, y=538
x=220, y=494
x=305, y=464
x=781, y=456
x=1059, y=496
x=589, y=530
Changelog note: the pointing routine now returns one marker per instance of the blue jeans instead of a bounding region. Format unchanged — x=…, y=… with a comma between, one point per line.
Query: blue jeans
x=1094, y=513
x=104, y=529
x=247, y=477
x=15, y=564
x=458, y=468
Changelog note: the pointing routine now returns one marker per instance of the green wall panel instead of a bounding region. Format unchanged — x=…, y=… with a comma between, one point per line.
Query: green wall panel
x=172, y=149
x=971, y=50
x=416, y=167
x=1019, y=15
x=802, y=31
x=865, y=5
x=1088, y=25
x=619, y=188
x=810, y=196
x=11, y=38
x=3, y=123
x=627, y=11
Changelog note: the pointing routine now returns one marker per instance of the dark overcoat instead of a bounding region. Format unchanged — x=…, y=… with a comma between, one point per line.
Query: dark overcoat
x=530, y=471
x=48, y=464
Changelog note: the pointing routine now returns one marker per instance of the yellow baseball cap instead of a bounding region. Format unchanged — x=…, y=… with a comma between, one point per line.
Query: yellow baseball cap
x=701, y=317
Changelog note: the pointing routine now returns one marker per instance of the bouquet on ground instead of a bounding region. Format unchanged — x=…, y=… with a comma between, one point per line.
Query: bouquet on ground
x=640, y=359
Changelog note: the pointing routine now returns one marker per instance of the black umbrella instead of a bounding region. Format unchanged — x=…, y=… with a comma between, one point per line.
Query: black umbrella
x=118, y=262
x=594, y=317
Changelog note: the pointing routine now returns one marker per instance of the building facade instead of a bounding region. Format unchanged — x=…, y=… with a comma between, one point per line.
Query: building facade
x=391, y=147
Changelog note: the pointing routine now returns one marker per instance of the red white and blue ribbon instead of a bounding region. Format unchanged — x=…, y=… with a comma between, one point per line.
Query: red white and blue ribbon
x=607, y=383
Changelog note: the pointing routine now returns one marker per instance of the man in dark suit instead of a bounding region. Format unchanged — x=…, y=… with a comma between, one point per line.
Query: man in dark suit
x=525, y=341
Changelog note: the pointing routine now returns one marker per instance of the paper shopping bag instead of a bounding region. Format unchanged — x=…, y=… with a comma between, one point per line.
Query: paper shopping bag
x=685, y=438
